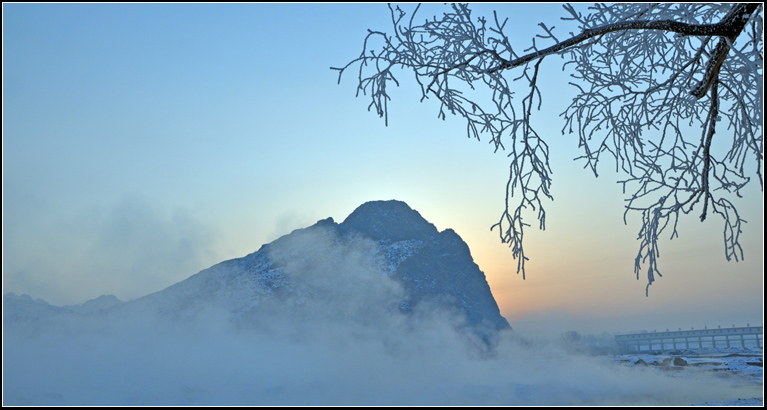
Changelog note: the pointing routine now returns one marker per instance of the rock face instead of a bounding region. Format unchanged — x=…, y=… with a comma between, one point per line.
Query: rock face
x=432, y=266
x=326, y=262
x=389, y=221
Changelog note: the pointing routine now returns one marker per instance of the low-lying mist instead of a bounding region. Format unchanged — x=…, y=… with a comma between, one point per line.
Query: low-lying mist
x=338, y=339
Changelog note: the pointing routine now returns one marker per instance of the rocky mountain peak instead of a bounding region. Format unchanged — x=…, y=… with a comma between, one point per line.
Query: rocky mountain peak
x=389, y=220
x=433, y=267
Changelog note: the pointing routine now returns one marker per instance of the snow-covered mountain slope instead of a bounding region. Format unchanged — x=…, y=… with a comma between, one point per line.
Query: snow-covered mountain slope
x=384, y=257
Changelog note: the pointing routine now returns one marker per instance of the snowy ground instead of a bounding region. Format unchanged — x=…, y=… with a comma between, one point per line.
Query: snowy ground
x=738, y=367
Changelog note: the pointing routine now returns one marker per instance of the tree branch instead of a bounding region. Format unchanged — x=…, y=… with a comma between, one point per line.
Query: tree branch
x=713, y=114
x=731, y=25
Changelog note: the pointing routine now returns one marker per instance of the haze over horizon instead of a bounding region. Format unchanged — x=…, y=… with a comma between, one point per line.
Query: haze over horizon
x=143, y=143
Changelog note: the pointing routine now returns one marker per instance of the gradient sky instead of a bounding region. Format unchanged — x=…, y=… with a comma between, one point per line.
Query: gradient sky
x=145, y=142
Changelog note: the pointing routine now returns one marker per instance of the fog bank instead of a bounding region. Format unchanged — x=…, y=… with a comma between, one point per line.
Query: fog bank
x=337, y=339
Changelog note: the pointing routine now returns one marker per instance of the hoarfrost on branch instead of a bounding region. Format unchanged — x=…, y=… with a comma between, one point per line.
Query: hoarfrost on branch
x=644, y=76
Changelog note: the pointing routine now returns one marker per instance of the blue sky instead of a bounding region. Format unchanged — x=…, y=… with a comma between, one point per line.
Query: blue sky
x=145, y=142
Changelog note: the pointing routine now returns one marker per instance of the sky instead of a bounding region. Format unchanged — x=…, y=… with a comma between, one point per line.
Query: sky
x=143, y=143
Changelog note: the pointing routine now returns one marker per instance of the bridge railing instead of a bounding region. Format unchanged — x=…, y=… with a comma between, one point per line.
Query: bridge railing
x=647, y=342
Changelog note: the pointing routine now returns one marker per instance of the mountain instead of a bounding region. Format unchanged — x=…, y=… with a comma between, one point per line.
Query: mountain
x=19, y=310
x=384, y=262
x=101, y=303
x=431, y=265
x=383, y=255
x=24, y=309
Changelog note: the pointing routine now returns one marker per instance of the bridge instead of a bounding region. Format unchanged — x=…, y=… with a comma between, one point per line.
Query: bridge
x=647, y=342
